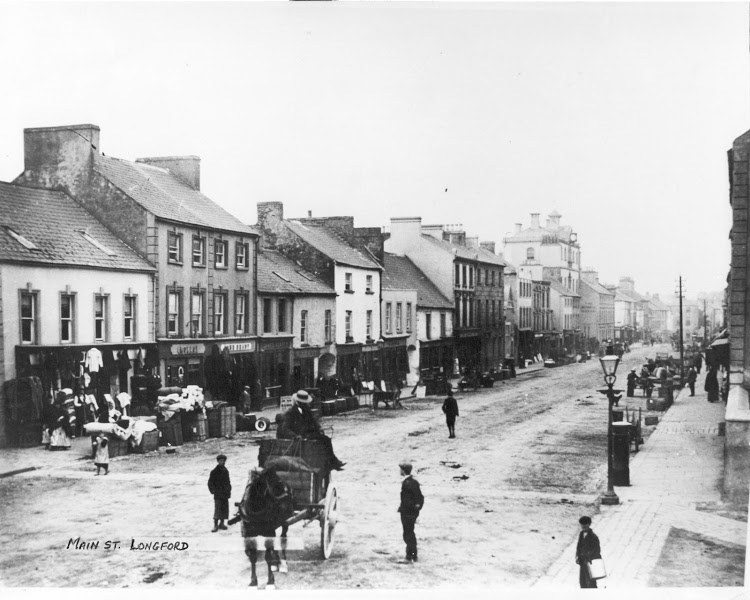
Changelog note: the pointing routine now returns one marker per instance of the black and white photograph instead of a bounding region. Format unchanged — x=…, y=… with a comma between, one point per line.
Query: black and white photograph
x=381, y=297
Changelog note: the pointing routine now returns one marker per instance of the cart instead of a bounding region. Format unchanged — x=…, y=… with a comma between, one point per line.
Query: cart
x=315, y=496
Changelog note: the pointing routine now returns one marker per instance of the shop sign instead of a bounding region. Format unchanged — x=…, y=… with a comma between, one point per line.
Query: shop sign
x=238, y=346
x=538, y=335
x=394, y=343
x=370, y=348
x=183, y=349
x=306, y=352
x=286, y=402
x=275, y=345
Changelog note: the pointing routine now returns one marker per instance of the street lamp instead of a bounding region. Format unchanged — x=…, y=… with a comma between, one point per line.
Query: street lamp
x=609, y=366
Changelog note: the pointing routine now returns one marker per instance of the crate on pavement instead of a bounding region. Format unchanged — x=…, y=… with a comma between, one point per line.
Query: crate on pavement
x=149, y=442
x=170, y=431
x=222, y=422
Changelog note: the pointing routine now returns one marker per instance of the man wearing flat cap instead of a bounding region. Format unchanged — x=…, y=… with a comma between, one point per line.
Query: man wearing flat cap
x=412, y=501
x=298, y=422
x=221, y=488
x=632, y=382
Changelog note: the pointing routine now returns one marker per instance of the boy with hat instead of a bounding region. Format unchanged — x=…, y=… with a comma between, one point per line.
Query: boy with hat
x=298, y=421
x=412, y=501
x=221, y=488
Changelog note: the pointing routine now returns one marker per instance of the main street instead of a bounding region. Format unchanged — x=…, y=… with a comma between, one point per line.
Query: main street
x=502, y=500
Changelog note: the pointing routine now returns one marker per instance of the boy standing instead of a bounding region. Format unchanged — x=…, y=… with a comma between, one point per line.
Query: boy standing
x=221, y=488
x=450, y=408
x=587, y=550
x=411, y=503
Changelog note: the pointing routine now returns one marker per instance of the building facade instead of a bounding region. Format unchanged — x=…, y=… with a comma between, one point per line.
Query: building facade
x=597, y=311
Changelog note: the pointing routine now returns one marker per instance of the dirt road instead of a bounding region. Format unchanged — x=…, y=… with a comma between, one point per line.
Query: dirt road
x=502, y=499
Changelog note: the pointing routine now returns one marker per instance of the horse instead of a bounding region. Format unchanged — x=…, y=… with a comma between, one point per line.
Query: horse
x=266, y=504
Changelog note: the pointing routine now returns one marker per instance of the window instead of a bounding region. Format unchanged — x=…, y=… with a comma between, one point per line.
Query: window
x=348, y=283
x=428, y=326
x=479, y=277
x=493, y=278
x=128, y=313
x=26, y=243
x=327, y=326
x=67, y=318
x=529, y=254
x=240, y=312
x=408, y=317
x=220, y=254
x=242, y=252
x=399, y=317
x=28, y=318
x=174, y=247
x=368, y=287
x=369, y=324
x=458, y=276
x=463, y=270
x=303, y=326
x=199, y=251
x=471, y=277
x=282, y=315
x=220, y=313
x=197, y=313
x=174, y=300
x=348, y=326
x=267, y=315
x=388, y=310
x=100, y=318
x=442, y=324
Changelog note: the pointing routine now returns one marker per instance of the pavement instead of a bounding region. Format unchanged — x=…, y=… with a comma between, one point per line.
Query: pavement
x=679, y=467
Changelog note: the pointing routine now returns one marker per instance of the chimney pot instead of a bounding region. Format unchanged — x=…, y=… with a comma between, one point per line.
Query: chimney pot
x=535, y=220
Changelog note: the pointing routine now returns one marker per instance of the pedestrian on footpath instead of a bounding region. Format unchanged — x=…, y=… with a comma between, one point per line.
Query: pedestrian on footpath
x=692, y=375
x=587, y=550
x=450, y=408
x=412, y=501
x=698, y=362
x=712, y=385
x=101, y=458
x=221, y=488
x=632, y=381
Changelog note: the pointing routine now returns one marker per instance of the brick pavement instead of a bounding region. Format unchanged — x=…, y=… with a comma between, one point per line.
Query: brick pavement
x=680, y=465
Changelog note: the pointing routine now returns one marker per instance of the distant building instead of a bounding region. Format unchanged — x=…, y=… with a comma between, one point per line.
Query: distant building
x=597, y=311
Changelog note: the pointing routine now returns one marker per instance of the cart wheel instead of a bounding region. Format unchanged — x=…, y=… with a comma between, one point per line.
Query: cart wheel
x=262, y=424
x=328, y=519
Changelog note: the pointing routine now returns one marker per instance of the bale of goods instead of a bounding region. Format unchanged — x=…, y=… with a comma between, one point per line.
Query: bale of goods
x=170, y=432
x=149, y=442
x=222, y=422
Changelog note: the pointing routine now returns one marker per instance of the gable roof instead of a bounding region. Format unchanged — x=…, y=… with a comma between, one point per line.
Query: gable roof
x=561, y=289
x=459, y=251
x=280, y=275
x=167, y=196
x=331, y=245
x=632, y=295
x=597, y=287
x=401, y=273
x=657, y=304
x=54, y=225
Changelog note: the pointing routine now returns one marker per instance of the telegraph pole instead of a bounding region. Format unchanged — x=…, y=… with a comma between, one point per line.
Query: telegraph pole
x=682, y=353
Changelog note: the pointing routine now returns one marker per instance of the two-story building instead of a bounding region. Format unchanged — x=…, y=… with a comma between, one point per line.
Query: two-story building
x=328, y=248
x=204, y=295
x=75, y=302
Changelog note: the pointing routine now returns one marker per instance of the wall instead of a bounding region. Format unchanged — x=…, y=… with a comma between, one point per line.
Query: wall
x=315, y=307
x=359, y=302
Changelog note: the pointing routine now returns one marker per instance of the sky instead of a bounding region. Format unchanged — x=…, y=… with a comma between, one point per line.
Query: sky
x=618, y=116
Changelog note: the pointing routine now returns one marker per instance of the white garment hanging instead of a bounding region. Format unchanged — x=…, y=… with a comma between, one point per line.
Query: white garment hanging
x=94, y=360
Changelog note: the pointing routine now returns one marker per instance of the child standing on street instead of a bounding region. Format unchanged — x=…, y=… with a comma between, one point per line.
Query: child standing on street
x=221, y=488
x=101, y=458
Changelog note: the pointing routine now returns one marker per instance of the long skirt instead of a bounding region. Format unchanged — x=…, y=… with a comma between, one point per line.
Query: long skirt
x=713, y=396
x=59, y=440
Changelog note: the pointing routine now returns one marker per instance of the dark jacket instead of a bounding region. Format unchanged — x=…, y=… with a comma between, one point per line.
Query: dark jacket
x=297, y=420
x=712, y=381
x=632, y=379
x=588, y=547
x=219, y=484
x=412, y=499
x=692, y=375
x=450, y=407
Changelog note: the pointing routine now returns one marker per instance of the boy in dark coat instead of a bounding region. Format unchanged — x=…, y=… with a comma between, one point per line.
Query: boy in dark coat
x=632, y=382
x=587, y=550
x=450, y=408
x=692, y=375
x=221, y=488
x=412, y=501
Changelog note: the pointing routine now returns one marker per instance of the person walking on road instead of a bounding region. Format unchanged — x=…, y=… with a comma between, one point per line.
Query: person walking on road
x=412, y=502
x=632, y=382
x=450, y=408
x=698, y=363
x=221, y=488
x=712, y=385
x=587, y=550
x=692, y=375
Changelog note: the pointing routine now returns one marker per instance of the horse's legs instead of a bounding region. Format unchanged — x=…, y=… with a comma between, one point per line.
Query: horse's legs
x=283, y=566
x=269, y=560
x=252, y=554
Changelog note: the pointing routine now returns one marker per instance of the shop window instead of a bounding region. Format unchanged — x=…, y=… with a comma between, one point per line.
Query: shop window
x=348, y=283
x=348, y=326
x=368, y=284
x=199, y=251
x=174, y=301
x=328, y=326
x=220, y=314
x=303, y=327
x=67, y=318
x=220, y=254
x=388, y=317
x=29, y=326
x=471, y=277
x=242, y=252
x=463, y=273
x=174, y=247
x=100, y=318
x=240, y=313
x=282, y=316
x=399, y=317
x=369, y=324
x=408, y=317
x=267, y=315
x=128, y=313
x=197, y=313
x=428, y=326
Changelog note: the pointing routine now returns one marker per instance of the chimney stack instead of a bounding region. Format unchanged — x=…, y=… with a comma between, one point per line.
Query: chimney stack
x=518, y=228
x=472, y=242
x=309, y=214
x=535, y=220
x=489, y=246
x=61, y=152
x=270, y=222
x=187, y=168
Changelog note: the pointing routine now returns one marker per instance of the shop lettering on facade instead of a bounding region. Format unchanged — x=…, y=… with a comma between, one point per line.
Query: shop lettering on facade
x=277, y=345
x=239, y=346
x=183, y=349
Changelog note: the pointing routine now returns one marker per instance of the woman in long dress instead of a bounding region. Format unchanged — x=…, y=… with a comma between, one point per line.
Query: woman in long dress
x=712, y=385
x=60, y=430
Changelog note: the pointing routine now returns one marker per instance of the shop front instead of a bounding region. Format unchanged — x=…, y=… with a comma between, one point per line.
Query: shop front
x=304, y=369
x=348, y=367
x=395, y=360
x=468, y=350
x=371, y=364
x=525, y=345
x=436, y=357
x=275, y=368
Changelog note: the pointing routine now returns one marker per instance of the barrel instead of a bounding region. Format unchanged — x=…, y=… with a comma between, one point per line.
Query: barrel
x=340, y=405
x=328, y=407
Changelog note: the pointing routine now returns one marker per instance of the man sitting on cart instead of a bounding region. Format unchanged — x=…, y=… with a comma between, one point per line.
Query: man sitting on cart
x=298, y=422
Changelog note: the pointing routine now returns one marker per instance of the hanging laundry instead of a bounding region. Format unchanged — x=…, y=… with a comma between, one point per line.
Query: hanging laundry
x=94, y=360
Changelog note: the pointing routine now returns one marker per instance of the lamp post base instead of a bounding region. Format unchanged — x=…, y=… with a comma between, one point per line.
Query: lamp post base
x=609, y=498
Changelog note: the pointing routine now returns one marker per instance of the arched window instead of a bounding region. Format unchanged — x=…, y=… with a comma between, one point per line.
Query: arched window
x=529, y=254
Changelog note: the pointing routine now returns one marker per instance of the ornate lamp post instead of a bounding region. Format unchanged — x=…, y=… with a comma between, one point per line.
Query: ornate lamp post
x=609, y=366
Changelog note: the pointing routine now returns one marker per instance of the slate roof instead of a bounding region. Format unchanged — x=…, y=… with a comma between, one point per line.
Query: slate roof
x=53, y=222
x=632, y=295
x=459, y=251
x=299, y=281
x=402, y=274
x=561, y=289
x=332, y=245
x=597, y=287
x=167, y=196
x=657, y=304
x=510, y=269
